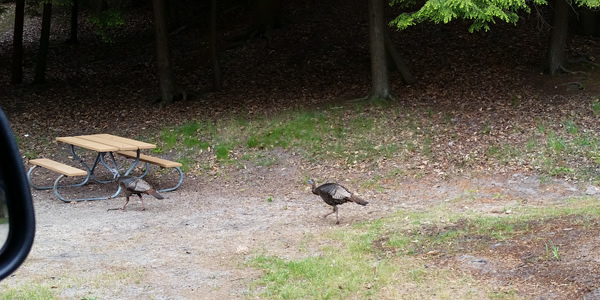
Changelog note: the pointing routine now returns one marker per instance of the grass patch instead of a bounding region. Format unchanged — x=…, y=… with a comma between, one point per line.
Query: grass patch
x=318, y=277
x=328, y=134
x=222, y=152
x=29, y=292
x=361, y=135
x=381, y=259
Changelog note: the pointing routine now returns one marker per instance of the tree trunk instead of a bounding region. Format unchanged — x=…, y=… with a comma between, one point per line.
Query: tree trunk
x=217, y=81
x=165, y=72
x=380, y=82
x=17, y=55
x=393, y=53
x=558, y=37
x=40, y=70
x=74, y=14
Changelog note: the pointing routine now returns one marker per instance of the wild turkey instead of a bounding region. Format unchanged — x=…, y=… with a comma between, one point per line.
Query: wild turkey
x=138, y=186
x=334, y=195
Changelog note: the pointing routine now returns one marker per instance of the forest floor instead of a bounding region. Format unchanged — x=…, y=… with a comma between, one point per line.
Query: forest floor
x=220, y=217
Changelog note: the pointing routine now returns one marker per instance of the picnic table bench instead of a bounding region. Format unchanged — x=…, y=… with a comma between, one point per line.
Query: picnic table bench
x=103, y=144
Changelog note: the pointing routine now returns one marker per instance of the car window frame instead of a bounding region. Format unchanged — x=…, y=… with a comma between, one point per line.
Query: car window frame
x=21, y=216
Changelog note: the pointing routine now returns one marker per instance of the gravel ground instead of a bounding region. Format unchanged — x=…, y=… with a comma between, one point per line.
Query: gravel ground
x=193, y=244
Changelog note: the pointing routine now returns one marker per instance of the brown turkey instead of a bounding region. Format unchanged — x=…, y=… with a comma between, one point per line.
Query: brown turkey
x=137, y=186
x=334, y=195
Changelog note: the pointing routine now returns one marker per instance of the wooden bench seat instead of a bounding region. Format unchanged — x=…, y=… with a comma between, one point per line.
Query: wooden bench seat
x=151, y=159
x=58, y=167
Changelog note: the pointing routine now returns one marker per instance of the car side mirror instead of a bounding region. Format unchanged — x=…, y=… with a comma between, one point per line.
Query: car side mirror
x=17, y=219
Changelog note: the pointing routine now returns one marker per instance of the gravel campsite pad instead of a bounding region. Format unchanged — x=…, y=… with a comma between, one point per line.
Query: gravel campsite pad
x=194, y=244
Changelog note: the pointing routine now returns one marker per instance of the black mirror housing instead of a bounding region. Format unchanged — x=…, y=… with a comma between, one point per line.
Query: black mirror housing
x=13, y=181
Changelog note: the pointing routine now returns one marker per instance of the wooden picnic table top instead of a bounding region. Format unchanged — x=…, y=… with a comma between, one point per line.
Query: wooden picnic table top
x=105, y=142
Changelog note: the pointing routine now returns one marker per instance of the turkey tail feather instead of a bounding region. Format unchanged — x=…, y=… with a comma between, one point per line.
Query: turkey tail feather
x=358, y=200
x=155, y=194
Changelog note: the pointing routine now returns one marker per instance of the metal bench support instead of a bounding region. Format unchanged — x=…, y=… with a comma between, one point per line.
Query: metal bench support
x=57, y=186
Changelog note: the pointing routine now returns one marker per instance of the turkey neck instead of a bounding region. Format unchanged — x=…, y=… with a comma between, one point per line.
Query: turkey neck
x=314, y=188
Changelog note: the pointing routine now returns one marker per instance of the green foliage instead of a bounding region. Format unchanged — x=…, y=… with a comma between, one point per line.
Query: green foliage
x=482, y=12
x=105, y=21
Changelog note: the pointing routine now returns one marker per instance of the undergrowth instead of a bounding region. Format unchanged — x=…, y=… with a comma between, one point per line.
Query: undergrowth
x=426, y=140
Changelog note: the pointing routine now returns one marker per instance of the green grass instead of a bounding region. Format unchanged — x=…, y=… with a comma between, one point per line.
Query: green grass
x=351, y=137
x=223, y=152
x=319, y=277
x=29, y=292
x=315, y=134
x=596, y=107
x=381, y=259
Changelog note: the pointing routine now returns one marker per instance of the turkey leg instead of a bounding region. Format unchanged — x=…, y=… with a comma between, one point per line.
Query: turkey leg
x=142, y=199
x=335, y=210
x=126, y=201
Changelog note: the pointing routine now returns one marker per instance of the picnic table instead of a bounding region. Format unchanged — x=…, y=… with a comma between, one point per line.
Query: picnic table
x=104, y=145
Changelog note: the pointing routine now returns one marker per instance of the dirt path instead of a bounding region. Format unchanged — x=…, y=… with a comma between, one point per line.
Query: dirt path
x=193, y=244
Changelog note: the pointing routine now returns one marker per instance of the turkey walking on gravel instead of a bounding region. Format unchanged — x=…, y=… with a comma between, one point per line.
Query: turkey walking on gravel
x=134, y=185
x=334, y=195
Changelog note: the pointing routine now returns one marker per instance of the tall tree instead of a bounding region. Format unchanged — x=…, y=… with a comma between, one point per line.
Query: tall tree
x=558, y=37
x=555, y=55
x=214, y=55
x=482, y=12
x=17, y=55
x=380, y=82
x=74, y=15
x=165, y=71
x=42, y=59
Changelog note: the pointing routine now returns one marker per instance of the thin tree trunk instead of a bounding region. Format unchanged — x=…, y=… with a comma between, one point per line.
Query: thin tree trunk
x=380, y=82
x=165, y=71
x=74, y=15
x=17, y=55
x=397, y=58
x=40, y=70
x=217, y=82
x=558, y=37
